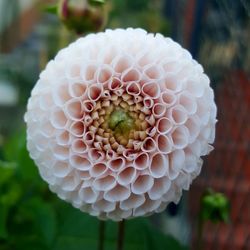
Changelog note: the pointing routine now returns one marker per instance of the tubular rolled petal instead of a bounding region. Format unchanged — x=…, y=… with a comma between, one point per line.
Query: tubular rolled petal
x=115, y=84
x=80, y=162
x=88, y=195
x=88, y=73
x=193, y=125
x=151, y=89
x=168, y=98
x=58, y=118
x=164, y=125
x=142, y=161
x=104, y=74
x=178, y=115
x=160, y=187
x=133, y=88
x=164, y=143
x=172, y=83
x=74, y=110
x=79, y=146
x=159, y=110
x=60, y=94
x=104, y=183
x=122, y=63
x=117, y=193
x=88, y=106
x=61, y=169
x=133, y=201
x=153, y=72
x=98, y=169
x=188, y=102
x=70, y=183
x=177, y=160
x=149, y=145
x=95, y=92
x=104, y=206
x=96, y=155
x=131, y=75
x=142, y=184
x=77, y=89
x=180, y=137
x=127, y=176
x=148, y=206
x=116, y=164
x=159, y=165
x=63, y=138
x=148, y=102
x=61, y=152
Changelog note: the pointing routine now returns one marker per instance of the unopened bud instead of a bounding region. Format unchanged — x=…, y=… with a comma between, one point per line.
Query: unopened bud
x=83, y=16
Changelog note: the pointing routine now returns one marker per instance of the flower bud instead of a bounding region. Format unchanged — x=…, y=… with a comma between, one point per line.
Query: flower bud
x=82, y=16
x=215, y=207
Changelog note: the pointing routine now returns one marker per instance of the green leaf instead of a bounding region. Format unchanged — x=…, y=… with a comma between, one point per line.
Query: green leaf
x=15, y=150
x=43, y=218
x=7, y=170
x=12, y=193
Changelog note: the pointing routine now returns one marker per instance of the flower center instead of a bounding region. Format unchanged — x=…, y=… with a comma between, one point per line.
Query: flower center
x=121, y=122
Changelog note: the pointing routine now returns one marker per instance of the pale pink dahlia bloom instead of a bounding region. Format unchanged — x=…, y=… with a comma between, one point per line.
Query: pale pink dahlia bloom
x=118, y=122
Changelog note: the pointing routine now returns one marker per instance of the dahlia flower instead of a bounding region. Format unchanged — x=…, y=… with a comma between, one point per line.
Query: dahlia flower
x=118, y=122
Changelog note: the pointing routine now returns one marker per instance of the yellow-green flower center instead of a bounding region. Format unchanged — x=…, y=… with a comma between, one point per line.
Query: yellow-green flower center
x=121, y=122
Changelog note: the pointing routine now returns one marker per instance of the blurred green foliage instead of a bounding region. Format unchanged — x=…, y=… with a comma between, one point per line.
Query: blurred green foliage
x=140, y=13
x=32, y=218
x=214, y=207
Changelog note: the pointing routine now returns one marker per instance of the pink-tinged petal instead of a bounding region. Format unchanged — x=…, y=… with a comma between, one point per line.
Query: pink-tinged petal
x=104, y=183
x=74, y=110
x=127, y=175
x=159, y=110
x=133, y=88
x=151, y=89
x=159, y=165
x=164, y=144
x=116, y=164
x=164, y=125
x=168, y=98
x=118, y=193
x=77, y=89
x=141, y=161
x=98, y=169
x=131, y=75
x=80, y=162
x=142, y=184
x=95, y=92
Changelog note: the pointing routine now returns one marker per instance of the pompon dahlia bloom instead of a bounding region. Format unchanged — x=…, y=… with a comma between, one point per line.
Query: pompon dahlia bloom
x=118, y=122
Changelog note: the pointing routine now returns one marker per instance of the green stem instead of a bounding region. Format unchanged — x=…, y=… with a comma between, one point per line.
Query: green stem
x=120, y=238
x=200, y=233
x=101, y=235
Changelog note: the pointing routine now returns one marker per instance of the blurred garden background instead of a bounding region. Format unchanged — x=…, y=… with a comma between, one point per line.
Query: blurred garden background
x=217, y=33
